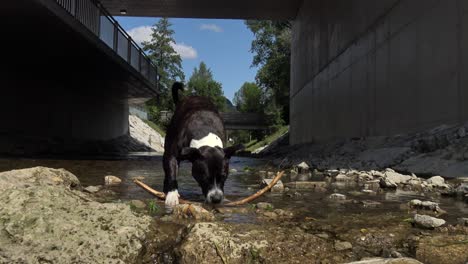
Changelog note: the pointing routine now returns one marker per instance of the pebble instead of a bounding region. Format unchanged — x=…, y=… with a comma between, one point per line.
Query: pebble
x=370, y=204
x=337, y=196
x=343, y=245
x=425, y=205
x=112, y=180
x=428, y=221
x=92, y=189
x=323, y=235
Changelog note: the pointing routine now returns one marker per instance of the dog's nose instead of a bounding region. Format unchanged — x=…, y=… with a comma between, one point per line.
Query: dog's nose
x=216, y=199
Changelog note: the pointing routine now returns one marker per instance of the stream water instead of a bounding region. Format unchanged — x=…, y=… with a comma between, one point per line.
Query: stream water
x=239, y=184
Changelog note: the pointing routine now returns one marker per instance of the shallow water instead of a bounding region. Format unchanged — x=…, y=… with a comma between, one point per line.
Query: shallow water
x=239, y=184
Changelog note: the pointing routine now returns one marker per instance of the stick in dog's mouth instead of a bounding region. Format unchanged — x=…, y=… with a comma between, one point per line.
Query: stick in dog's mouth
x=162, y=196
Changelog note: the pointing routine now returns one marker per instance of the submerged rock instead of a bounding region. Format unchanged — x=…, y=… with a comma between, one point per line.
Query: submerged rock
x=42, y=219
x=428, y=221
x=192, y=211
x=343, y=245
x=264, y=206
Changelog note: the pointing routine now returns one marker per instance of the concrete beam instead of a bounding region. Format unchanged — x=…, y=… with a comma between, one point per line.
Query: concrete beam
x=232, y=9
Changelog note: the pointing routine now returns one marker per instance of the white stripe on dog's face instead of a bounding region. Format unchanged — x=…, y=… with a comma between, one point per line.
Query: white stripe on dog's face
x=211, y=140
x=214, y=194
x=172, y=199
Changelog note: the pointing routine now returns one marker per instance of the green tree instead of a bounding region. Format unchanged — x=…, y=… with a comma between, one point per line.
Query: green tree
x=272, y=53
x=202, y=83
x=169, y=63
x=249, y=98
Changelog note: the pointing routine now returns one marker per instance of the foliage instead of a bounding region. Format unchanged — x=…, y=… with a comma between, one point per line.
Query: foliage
x=153, y=207
x=161, y=52
x=249, y=98
x=156, y=127
x=202, y=83
x=272, y=53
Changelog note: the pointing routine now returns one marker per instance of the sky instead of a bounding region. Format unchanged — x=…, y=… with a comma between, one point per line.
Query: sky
x=224, y=45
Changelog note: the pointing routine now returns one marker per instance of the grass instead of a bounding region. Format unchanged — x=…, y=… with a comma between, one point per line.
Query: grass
x=156, y=127
x=253, y=145
x=153, y=208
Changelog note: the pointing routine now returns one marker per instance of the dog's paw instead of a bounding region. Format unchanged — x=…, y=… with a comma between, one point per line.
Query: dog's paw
x=172, y=199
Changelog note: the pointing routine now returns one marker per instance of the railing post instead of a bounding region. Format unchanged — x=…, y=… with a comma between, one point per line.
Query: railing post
x=116, y=37
x=129, y=52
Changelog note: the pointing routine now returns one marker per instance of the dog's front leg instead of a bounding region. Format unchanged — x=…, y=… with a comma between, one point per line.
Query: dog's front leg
x=170, y=182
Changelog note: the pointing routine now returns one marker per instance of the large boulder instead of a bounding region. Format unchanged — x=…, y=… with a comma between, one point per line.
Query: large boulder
x=44, y=220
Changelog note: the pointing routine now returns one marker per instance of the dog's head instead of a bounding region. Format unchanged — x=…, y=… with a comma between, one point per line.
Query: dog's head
x=210, y=168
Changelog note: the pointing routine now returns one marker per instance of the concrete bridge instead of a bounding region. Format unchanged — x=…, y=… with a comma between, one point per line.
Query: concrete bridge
x=358, y=67
x=234, y=120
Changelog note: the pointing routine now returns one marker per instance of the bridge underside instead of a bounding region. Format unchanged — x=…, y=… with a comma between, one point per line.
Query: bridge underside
x=238, y=9
x=58, y=80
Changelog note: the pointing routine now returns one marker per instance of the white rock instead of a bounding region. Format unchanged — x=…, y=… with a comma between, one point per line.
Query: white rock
x=112, y=180
x=436, y=181
x=428, y=221
x=337, y=196
x=303, y=166
x=341, y=177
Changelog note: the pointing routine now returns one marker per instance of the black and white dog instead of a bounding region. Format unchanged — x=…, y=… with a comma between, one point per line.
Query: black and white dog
x=196, y=133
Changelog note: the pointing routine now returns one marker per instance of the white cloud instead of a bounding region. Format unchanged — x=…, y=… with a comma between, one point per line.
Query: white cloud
x=140, y=34
x=185, y=51
x=211, y=27
x=143, y=33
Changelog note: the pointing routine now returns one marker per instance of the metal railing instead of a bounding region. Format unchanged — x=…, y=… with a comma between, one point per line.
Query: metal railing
x=95, y=17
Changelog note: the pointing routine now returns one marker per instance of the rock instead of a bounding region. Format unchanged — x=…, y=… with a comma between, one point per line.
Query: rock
x=278, y=187
x=264, y=206
x=342, y=177
x=436, y=181
x=112, y=180
x=232, y=170
x=271, y=174
x=463, y=221
x=337, y=197
x=370, y=204
x=387, y=261
x=306, y=185
x=461, y=132
x=262, y=174
x=462, y=190
x=454, y=250
x=392, y=179
x=323, y=235
x=269, y=214
x=43, y=220
x=283, y=213
x=387, y=183
x=183, y=211
x=427, y=221
x=343, y=245
x=138, y=204
x=92, y=189
x=302, y=167
x=426, y=205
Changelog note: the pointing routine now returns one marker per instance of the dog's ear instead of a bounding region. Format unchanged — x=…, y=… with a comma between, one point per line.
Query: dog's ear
x=191, y=154
x=230, y=151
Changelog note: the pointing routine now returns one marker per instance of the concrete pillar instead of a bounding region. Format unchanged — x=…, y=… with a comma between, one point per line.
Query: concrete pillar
x=368, y=68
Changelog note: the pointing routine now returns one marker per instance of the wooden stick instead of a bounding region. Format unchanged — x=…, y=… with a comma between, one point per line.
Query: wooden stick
x=254, y=196
x=159, y=195
x=259, y=193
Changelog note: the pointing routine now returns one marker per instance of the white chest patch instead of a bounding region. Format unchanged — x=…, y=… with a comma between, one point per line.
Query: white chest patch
x=211, y=140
